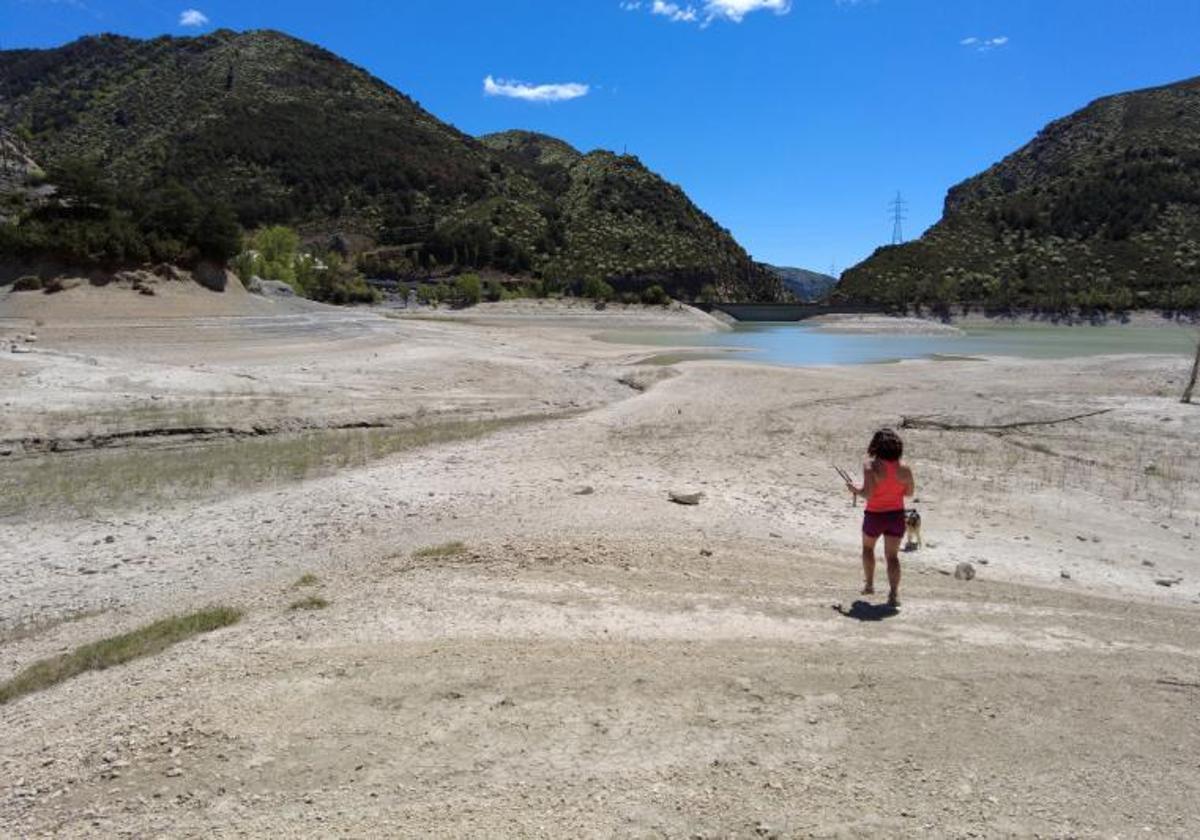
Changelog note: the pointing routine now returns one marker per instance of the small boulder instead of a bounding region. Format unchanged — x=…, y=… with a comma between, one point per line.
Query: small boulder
x=62, y=284
x=276, y=289
x=964, y=571
x=684, y=498
x=212, y=276
x=586, y=490
x=169, y=272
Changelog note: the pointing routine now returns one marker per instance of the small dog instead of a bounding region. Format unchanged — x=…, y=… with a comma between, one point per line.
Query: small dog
x=912, y=532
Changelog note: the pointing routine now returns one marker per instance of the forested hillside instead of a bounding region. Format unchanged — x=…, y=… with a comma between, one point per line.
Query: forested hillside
x=162, y=149
x=1100, y=211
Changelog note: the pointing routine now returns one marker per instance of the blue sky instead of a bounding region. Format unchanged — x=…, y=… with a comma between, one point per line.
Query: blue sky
x=792, y=123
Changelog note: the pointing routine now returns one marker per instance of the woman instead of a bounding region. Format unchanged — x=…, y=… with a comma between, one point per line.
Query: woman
x=885, y=484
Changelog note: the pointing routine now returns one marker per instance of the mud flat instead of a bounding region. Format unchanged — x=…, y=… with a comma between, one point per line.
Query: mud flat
x=523, y=636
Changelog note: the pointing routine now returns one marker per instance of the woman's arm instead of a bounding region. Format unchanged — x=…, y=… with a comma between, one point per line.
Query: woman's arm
x=868, y=479
x=910, y=483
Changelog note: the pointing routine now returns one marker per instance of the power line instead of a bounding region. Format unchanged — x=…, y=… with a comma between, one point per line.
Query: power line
x=898, y=210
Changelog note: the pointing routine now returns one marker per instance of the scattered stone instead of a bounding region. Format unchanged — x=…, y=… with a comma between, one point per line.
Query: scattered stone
x=20, y=348
x=964, y=571
x=1064, y=574
x=1149, y=563
x=586, y=490
x=775, y=536
x=175, y=771
x=170, y=272
x=1168, y=582
x=706, y=552
x=685, y=498
x=110, y=539
x=276, y=289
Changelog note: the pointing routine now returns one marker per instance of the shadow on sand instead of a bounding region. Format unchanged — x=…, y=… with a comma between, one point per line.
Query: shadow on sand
x=862, y=611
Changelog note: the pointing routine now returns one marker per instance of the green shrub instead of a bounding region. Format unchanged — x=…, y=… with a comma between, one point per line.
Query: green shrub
x=597, y=289
x=29, y=283
x=655, y=296
x=493, y=290
x=468, y=289
x=312, y=602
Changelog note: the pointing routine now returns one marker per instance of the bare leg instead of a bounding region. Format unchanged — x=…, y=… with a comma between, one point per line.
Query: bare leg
x=868, y=558
x=891, y=549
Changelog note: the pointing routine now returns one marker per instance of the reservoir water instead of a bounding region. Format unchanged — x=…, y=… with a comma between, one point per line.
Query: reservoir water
x=798, y=344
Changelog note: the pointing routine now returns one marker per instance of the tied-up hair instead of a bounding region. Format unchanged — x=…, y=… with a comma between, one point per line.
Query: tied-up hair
x=886, y=445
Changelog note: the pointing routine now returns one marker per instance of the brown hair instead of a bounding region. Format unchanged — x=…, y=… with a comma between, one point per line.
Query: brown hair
x=886, y=445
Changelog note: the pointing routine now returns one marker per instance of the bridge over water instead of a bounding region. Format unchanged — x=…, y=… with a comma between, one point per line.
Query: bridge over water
x=788, y=311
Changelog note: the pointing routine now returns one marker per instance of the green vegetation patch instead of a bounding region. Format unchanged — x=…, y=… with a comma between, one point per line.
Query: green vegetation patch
x=312, y=602
x=307, y=579
x=116, y=650
x=95, y=481
x=450, y=549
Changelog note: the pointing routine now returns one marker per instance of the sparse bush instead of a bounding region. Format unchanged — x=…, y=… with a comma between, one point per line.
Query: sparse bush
x=597, y=289
x=29, y=283
x=312, y=602
x=468, y=289
x=450, y=549
x=494, y=290
x=655, y=296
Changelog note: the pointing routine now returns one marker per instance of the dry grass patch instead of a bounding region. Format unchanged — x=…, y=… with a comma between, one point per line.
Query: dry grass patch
x=312, y=602
x=116, y=650
x=450, y=549
x=91, y=481
x=307, y=579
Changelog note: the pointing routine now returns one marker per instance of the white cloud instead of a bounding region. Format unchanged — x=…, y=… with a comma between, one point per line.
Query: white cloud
x=705, y=12
x=193, y=17
x=984, y=44
x=534, y=93
x=673, y=12
x=736, y=10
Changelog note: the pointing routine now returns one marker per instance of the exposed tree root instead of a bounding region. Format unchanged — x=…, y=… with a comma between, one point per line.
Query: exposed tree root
x=990, y=428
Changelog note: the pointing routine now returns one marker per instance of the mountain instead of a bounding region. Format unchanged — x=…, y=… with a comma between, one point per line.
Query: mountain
x=806, y=285
x=621, y=222
x=1100, y=211
x=283, y=132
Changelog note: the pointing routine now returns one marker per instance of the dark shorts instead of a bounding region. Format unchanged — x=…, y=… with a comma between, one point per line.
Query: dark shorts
x=891, y=522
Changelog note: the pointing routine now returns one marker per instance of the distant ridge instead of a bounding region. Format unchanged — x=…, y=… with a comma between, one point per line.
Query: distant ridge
x=286, y=132
x=807, y=286
x=1100, y=211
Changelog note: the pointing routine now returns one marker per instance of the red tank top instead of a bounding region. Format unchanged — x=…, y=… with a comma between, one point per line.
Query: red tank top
x=887, y=495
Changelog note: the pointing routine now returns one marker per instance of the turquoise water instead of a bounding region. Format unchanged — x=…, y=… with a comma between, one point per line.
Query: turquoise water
x=797, y=344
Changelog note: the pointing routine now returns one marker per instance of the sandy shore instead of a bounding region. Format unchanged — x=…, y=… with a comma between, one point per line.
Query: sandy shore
x=596, y=661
